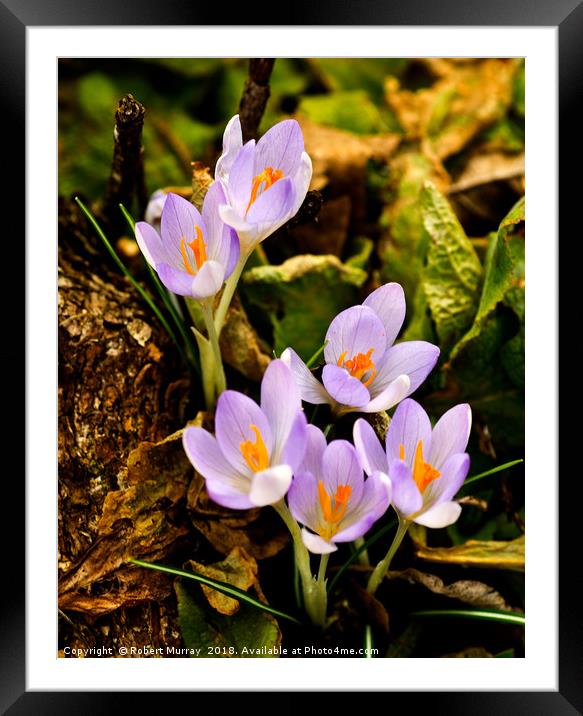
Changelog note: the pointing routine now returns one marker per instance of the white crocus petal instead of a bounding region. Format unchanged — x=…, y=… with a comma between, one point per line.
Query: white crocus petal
x=316, y=544
x=312, y=390
x=390, y=396
x=441, y=515
x=270, y=486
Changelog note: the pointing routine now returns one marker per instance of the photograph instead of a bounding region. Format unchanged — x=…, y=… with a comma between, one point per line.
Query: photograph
x=291, y=340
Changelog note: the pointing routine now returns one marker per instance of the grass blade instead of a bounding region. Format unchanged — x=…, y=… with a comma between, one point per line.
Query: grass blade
x=163, y=293
x=143, y=293
x=368, y=642
x=506, y=466
x=316, y=355
x=483, y=614
x=357, y=552
x=222, y=587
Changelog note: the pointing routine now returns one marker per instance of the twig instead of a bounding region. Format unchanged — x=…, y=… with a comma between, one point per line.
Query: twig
x=255, y=95
x=127, y=167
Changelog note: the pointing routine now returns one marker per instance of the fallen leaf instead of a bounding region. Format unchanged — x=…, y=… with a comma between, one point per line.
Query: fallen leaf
x=339, y=159
x=467, y=98
x=472, y=652
x=260, y=532
x=467, y=591
x=238, y=569
x=142, y=520
x=475, y=553
x=328, y=234
x=249, y=632
x=241, y=347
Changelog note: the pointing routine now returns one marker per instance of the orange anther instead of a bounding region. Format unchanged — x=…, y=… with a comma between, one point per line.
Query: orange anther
x=359, y=365
x=423, y=472
x=198, y=248
x=255, y=453
x=268, y=177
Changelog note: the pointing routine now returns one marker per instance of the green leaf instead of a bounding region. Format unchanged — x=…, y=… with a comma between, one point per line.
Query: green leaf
x=352, y=111
x=490, y=356
x=300, y=298
x=222, y=587
x=247, y=633
x=451, y=277
x=481, y=614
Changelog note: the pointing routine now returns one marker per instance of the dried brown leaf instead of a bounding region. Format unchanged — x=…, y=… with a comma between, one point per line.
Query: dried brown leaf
x=468, y=591
x=142, y=520
x=238, y=569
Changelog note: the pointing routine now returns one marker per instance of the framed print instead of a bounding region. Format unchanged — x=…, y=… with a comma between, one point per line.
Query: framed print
x=283, y=401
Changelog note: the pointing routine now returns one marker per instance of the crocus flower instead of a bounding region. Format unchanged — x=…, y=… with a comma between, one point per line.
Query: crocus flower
x=426, y=467
x=265, y=182
x=251, y=460
x=330, y=496
x=364, y=371
x=153, y=213
x=194, y=253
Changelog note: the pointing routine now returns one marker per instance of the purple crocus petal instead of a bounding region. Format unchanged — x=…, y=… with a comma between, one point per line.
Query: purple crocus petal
x=374, y=503
x=344, y=388
x=353, y=331
x=316, y=544
x=155, y=207
x=295, y=446
x=390, y=396
x=234, y=501
x=273, y=206
x=303, y=501
x=281, y=147
x=368, y=447
x=409, y=425
x=442, y=515
x=388, y=302
x=204, y=453
x=208, y=280
x=280, y=402
x=233, y=419
x=177, y=281
x=413, y=358
x=241, y=178
x=302, y=181
x=453, y=473
x=315, y=446
x=150, y=244
x=216, y=246
x=341, y=467
x=232, y=218
x=230, y=237
x=450, y=434
x=406, y=496
x=232, y=143
x=312, y=391
x=179, y=218
x=270, y=486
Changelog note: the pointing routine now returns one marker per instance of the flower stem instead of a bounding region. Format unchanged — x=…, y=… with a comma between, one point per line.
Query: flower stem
x=219, y=371
x=313, y=590
x=383, y=566
x=229, y=290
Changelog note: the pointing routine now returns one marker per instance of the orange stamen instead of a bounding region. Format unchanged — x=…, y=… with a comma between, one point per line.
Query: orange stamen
x=334, y=512
x=255, y=453
x=401, y=452
x=268, y=177
x=359, y=365
x=423, y=472
x=198, y=249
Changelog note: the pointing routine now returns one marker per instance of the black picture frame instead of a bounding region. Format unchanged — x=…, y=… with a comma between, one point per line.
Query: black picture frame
x=15, y=17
